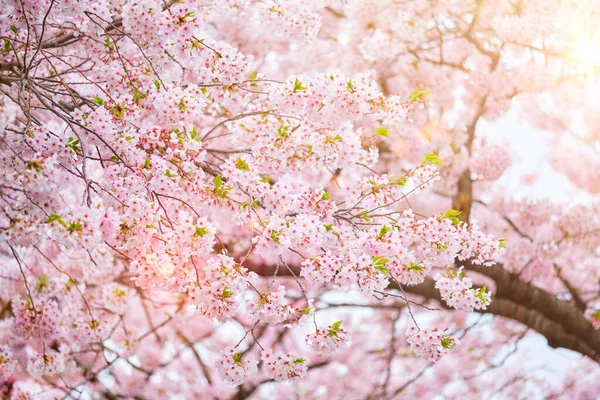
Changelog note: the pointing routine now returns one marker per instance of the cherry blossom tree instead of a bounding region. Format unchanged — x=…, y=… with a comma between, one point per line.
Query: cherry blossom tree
x=297, y=199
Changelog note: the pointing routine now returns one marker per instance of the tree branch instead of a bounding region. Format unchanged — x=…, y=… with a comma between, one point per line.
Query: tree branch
x=560, y=322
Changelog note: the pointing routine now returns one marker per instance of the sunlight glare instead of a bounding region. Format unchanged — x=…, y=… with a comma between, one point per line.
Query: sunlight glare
x=587, y=52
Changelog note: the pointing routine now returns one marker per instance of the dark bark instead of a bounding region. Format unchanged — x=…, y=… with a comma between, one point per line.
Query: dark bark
x=569, y=334
x=564, y=313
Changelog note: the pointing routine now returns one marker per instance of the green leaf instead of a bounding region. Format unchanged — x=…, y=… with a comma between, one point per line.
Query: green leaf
x=452, y=215
x=382, y=132
x=334, y=329
x=336, y=326
x=326, y=196
x=502, y=243
x=350, y=85
x=157, y=84
x=169, y=174
x=13, y=28
x=56, y=218
x=596, y=314
x=223, y=192
x=401, y=181
x=253, y=76
x=307, y=310
x=377, y=260
x=241, y=164
x=282, y=131
x=118, y=110
x=384, y=229
x=74, y=227
x=447, y=342
x=194, y=134
x=237, y=357
x=275, y=237
x=365, y=216
x=433, y=159
x=75, y=145
x=227, y=293
x=98, y=101
x=42, y=283
x=415, y=267
x=201, y=231
x=382, y=268
x=417, y=95
x=188, y=16
x=298, y=85
x=480, y=294
x=333, y=140
x=182, y=106
x=137, y=95
x=328, y=228
x=299, y=360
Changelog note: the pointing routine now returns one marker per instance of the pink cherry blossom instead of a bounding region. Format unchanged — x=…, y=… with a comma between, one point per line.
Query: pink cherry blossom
x=190, y=190
x=325, y=341
x=233, y=369
x=430, y=343
x=283, y=366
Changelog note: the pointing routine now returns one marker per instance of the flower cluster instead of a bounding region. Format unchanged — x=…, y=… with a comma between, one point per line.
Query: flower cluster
x=322, y=268
x=36, y=319
x=48, y=364
x=326, y=341
x=269, y=307
x=233, y=369
x=283, y=366
x=217, y=294
x=430, y=343
x=456, y=289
